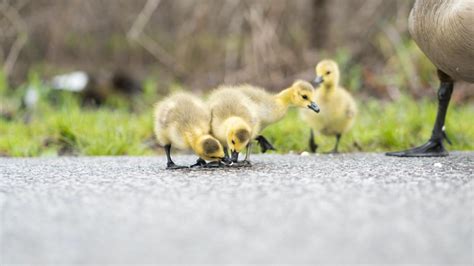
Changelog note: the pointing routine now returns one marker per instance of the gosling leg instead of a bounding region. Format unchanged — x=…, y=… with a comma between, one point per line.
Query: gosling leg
x=170, y=164
x=227, y=160
x=226, y=152
x=246, y=161
x=247, y=153
x=312, y=145
x=335, y=150
x=434, y=147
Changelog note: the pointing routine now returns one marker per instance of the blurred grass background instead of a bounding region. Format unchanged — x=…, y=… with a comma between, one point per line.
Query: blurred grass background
x=189, y=45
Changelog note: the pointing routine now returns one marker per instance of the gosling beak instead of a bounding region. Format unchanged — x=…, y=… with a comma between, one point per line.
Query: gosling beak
x=317, y=81
x=313, y=106
x=235, y=156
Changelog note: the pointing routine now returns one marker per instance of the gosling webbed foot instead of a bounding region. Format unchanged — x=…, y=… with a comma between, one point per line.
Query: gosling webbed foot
x=215, y=164
x=432, y=148
x=265, y=145
x=199, y=163
x=227, y=161
x=173, y=166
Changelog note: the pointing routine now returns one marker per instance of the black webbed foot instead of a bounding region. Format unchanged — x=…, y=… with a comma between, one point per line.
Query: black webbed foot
x=215, y=164
x=432, y=148
x=173, y=166
x=199, y=163
x=265, y=145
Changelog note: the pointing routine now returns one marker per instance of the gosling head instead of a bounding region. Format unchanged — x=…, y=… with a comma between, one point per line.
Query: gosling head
x=238, y=136
x=303, y=95
x=209, y=148
x=327, y=74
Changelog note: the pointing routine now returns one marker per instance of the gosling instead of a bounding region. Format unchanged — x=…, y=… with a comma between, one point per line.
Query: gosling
x=271, y=108
x=234, y=120
x=338, y=108
x=183, y=121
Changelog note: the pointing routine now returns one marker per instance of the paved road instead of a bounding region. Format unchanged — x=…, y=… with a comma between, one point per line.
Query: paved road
x=358, y=208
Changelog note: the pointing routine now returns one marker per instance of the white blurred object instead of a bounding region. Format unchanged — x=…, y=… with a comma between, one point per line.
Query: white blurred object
x=439, y=165
x=305, y=153
x=31, y=97
x=74, y=81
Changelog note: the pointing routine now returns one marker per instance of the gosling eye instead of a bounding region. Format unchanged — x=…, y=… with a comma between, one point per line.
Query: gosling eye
x=233, y=142
x=305, y=97
x=329, y=72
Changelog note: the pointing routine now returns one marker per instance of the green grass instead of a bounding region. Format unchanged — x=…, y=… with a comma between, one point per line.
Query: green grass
x=60, y=126
x=66, y=128
x=76, y=132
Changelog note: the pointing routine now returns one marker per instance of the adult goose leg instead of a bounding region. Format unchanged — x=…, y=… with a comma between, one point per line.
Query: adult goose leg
x=434, y=147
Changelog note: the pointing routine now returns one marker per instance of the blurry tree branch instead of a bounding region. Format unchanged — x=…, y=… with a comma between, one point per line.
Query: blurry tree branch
x=14, y=18
x=136, y=34
x=18, y=6
x=142, y=19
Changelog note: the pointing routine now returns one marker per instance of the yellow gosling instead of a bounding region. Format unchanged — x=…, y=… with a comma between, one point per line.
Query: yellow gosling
x=273, y=107
x=183, y=121
x=338, y=108
x=234, y=120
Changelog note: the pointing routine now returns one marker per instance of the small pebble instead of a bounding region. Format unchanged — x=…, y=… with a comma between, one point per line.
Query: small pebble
x=305, y=153
x=439, y=165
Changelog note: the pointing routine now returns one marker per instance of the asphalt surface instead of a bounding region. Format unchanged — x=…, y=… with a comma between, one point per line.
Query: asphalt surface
x=357, y=208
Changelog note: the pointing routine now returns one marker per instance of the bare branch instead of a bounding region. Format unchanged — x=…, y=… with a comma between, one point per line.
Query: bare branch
x=160, y=54
x=15, y=19
x=137, y=35
x=142, y=19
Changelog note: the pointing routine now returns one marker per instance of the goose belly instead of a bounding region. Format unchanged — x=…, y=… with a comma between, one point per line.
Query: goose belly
x=445, y=33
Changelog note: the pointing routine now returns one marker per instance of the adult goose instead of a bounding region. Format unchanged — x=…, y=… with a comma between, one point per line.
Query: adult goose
x=444, y=30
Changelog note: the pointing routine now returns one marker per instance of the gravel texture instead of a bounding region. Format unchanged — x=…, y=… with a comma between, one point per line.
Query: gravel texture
x=353, y=208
